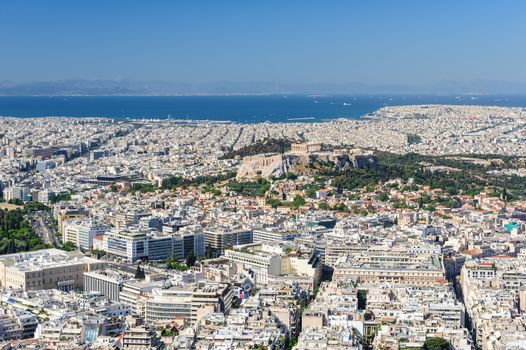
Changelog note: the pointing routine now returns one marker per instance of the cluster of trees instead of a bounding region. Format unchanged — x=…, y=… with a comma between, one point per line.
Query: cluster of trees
x=68, y=247
x=361, y=294
x=318, y=184
x=337, y=207
x=177, y=181
x=259, y=147
x=173, y=264
x=429, y=203
x=191, y=259
x=139, y=273
x=98, y=253
x=383, y=196
x=143, y=187
x=289, y=176
x=297, y=202
x=55, y=198
x=252, y=188
x=472, y=179
x=413, y=139
x=211, y=189
x=169, y=331
x=16, y=234
x=35, y=206
x=436, y=344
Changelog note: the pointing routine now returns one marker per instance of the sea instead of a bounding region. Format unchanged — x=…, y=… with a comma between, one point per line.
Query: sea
x=241, y=109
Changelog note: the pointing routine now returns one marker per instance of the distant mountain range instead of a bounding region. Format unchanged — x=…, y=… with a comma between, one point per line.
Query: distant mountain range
x=79, y=87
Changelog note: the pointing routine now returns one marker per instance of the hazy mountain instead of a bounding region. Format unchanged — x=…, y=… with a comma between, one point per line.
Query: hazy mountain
x=131, y=87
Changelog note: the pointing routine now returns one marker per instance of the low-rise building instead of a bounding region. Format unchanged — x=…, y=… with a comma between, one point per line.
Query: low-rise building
x=46, y=269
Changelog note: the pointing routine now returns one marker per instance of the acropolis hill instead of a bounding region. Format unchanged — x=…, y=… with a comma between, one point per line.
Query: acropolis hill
x=299, y=158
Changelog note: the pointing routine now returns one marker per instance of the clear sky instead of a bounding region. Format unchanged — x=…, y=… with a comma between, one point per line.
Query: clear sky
x=374, y=42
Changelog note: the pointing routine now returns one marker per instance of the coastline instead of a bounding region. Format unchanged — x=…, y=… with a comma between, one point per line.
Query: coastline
x=244, y=109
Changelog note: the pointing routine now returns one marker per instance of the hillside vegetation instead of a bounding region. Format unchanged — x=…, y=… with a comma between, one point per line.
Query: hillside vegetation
x=260, y=147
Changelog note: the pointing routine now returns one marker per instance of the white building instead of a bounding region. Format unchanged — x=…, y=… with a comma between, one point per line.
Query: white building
x=130, y=245
x=16, y=192
x=82, y=232
x=262, y=264
x=188, y=304
x=133, y=245
x=272, y=235
x=107, y=282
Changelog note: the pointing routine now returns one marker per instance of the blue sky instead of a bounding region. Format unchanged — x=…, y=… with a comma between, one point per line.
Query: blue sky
x=374, y=42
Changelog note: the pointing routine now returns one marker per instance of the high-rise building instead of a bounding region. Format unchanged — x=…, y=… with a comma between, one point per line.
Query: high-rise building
x=133, y=245
x=129, y=245
x=161, y=247
x=193, y=243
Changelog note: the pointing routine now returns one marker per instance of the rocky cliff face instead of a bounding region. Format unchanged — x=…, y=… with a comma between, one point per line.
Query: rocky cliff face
x=278, y=165
x=362, y=161
x=264, y=165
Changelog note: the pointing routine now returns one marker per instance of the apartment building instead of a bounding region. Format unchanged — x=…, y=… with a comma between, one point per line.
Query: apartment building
x=267, y=262
x=106, y=281
x=393, y=265
x=262, y=264
x=274, y=235
x=188, y=304
x=135, y=293
x=221, y=239
x=82, y=232
x=129, y=245
x=17, y=324
x=141, y=338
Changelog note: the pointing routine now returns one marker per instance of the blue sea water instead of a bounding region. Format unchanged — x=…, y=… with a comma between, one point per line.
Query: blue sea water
x=245, y=109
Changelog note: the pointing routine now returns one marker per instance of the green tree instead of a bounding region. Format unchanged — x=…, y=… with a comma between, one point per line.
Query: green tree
x=68, y=247
x=139, y=273
x=323, y=206
x=209, y=252
x=362, y=299
x=436, y=344
x=263, y=146
x=383, y=197
x=291, y=176
x=291, y=343
x=191, y=259
x=298, y=201
x=504, y=195
x=55, y=198
x=413, y=139
x=143, y=188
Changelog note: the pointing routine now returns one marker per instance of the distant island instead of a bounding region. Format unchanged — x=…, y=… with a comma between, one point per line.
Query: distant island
x=126, y=87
